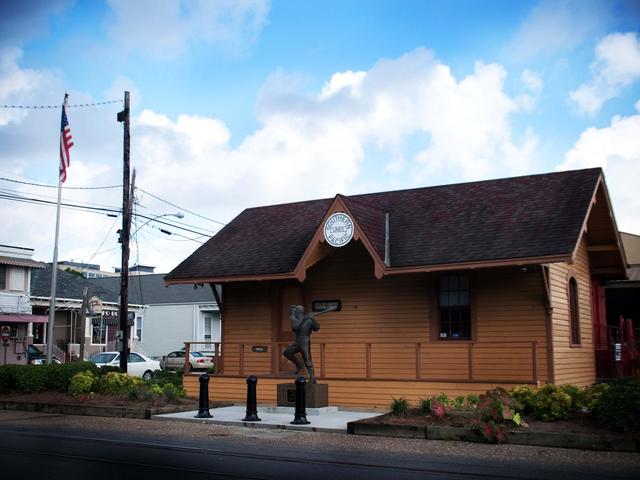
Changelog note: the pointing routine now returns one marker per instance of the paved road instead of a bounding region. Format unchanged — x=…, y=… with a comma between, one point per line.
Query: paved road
x=60, y=447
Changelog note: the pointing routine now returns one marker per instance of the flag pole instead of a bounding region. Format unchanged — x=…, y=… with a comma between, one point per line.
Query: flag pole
x=54, y=266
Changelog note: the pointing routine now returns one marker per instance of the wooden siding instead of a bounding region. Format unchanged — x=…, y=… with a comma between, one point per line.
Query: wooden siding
x=246, y=319
x=572, y=364
x=351, y=393
x=385, y=324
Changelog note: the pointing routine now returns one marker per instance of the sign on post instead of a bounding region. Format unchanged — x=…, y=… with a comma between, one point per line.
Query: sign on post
x=4, y=334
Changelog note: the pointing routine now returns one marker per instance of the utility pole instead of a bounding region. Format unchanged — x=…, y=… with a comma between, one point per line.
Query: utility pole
x=124, y=239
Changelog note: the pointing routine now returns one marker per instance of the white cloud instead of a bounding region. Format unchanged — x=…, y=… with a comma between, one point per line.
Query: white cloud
x=166, y=29
x=557, y=25
x=617, y=65
x=532, y=82
x=616, y=149
x=15, y=84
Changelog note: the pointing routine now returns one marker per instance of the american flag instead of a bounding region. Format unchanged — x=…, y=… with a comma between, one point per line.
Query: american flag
x=65, y=144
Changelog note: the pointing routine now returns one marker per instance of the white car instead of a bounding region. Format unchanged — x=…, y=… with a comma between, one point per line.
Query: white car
x=139, y=365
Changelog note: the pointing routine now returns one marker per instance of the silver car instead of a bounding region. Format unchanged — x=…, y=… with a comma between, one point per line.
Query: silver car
x=175, y=361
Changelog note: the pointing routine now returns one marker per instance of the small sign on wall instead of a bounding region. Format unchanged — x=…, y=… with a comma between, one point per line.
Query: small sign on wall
x=321, y=305
x=618, y=352
x=260, y=349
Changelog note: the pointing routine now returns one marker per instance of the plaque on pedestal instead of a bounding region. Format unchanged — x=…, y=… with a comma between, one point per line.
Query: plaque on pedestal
x=316, y=395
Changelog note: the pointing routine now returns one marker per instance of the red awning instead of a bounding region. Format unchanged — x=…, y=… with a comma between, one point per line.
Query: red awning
x=23, y=318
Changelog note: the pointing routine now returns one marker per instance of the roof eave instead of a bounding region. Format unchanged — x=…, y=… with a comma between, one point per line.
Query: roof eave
x=509, y=262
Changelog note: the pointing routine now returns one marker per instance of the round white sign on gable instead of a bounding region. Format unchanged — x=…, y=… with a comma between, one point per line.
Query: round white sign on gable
x=338, y=229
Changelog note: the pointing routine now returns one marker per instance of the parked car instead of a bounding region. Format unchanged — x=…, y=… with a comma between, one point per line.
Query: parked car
x=175, y=361
x=43, y=361
x=35, y=356
x=138, y=365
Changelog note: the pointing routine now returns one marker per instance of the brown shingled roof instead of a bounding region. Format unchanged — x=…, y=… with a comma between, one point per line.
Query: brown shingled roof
x=533, y=216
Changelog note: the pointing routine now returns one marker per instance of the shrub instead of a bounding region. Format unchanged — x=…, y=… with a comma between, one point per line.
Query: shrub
x=425, y=405
x=472, y=400
x=459, y=403
x=31, y=378
x=172, y=393
x=399, y=406
x=524, y=396
x=163, y=377
x=82, y=383
x=134, y=392
x=117, y=383
x=8, y=377
x=495, y=413
x=592, y=394
x=618, y=407
x=153, y=392
x=551, y=403
x=577, y=396
x=103, y=370
x=59, y=375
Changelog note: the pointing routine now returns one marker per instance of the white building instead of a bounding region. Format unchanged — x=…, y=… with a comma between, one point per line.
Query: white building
x=15, y=307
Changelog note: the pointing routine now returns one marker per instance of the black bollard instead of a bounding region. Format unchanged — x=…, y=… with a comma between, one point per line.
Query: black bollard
x=300, y=417
x=203, y=407
x=252, y=404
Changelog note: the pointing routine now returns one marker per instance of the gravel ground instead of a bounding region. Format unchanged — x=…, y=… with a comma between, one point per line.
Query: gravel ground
x=316, y=441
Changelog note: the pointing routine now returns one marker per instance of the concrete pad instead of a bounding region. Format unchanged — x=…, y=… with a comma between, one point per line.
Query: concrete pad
x=326, y=419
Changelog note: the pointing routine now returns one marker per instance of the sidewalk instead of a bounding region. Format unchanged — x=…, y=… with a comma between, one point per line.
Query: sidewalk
x=327, y=419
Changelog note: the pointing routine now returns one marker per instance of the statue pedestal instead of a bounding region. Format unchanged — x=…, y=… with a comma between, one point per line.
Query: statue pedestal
x=316, y=395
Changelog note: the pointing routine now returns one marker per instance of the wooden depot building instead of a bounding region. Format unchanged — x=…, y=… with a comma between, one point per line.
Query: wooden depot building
x=454, y=288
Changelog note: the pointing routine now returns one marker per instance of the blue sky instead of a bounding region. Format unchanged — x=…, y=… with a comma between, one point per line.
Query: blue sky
x=244, y=103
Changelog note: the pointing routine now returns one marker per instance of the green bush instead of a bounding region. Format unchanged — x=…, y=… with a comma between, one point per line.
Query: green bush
x=618, y=407
x=82, y=383
x=172, y=393
x=103, y=370
x=163, y=377
x=551, y=403
x=524, y=396
x=32, y=378
x=399, y=406
x=577, y=395
x=59, y=375
x=593, y=393
x=472, y=400
x=8, y=378
x=135, y=392
x=117, y=383
x=425, y=405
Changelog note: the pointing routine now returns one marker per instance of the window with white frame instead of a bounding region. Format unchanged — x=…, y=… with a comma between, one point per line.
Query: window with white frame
x=3, y=277
x=99, y=334
x=139, y=327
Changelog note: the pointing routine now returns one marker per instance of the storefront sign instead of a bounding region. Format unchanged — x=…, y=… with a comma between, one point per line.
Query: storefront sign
x=259, y=349
x=95, y=305
x=338, y=229
x=618, y=351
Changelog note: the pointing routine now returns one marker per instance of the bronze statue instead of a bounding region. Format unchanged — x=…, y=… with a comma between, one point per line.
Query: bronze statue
x=303, y=326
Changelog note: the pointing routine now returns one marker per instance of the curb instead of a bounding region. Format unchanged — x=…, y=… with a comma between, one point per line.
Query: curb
x=90, y=410
x=556, y=440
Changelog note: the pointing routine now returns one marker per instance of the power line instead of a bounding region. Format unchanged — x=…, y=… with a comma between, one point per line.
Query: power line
x=55, y=186
x=17, y=198
x=179, y=207
x=9, y=191
x=75, y=105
